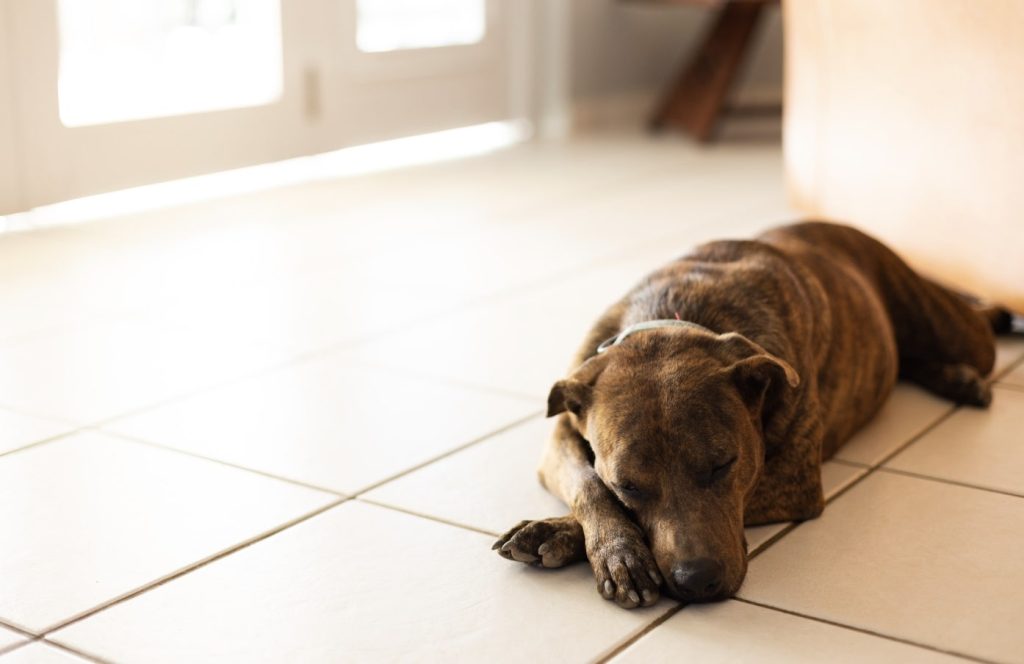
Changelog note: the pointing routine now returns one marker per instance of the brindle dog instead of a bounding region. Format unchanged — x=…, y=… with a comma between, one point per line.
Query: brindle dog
x=672, y=439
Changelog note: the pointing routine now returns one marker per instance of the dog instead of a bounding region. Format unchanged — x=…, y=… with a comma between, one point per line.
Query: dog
x=706, y=399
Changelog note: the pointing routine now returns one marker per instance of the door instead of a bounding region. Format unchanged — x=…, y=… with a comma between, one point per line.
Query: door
x=110, y=94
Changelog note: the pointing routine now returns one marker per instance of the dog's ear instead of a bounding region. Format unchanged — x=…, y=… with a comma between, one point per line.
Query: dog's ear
x=758, y=374
x=754, y=375
x=573, y=394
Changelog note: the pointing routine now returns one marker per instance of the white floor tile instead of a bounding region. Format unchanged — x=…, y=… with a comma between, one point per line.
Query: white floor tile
x=328, y=423
x=909, y=411
x=1014, y=377
x=481, y=273
x=758, y=536
x=837, y=476
x=17, y=430
x=1008, y=351
x=8, y=637
x=89, y=518
x=524, y=342
x=109, y=367
x=491, y=486
x=42, y=653
x=305, y=312
x=738, y=632
x=974, y=446
x=834, y=478
x=910, y=558
x=363, y=583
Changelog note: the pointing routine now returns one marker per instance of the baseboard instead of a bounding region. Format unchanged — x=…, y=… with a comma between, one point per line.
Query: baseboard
x=632, y=108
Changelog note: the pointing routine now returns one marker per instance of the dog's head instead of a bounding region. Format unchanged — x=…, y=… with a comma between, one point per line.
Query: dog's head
x=675, y=419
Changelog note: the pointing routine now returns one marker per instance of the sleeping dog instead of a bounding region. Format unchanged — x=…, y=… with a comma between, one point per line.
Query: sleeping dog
x=707, y=398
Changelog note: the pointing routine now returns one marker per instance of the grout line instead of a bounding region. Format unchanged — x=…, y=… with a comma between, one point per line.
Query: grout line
x=191, y=568
x=913, y=439
x=942, y=480
x=849, y=464
x=18, y=410
x=15, y=646
x=229, y=464
x=862, y=630
x=74, y=651
x=1009, y=386
x=647, y=629
x=307, y=485
x=773, y=539
x=20, y=630
x=444, y=455
x=429, y=517
x=29, y=637
x=445, y=380
x=198, y=391
x=44, y=441
x=1010, y=366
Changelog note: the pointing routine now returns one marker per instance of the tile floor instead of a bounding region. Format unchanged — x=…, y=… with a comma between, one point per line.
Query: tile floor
x=287, y=426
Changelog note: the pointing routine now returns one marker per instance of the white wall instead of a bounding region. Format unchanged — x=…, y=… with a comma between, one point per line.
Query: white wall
x=624, y=53
x=9, y=183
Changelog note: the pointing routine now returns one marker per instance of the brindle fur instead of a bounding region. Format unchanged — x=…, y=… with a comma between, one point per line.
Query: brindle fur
x=810, y=326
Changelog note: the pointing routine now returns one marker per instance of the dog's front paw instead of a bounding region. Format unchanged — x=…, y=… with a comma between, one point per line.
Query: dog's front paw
x=625, y=569
x=547, y=542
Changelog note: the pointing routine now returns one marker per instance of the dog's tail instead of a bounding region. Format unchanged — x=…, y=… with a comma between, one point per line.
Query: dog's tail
x=1003, y=320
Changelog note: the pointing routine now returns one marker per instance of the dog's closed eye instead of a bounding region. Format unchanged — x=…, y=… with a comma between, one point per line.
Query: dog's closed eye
x=630, y=490
x=719, y=471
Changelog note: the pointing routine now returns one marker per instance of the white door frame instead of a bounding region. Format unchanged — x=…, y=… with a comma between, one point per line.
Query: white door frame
x=10, y=151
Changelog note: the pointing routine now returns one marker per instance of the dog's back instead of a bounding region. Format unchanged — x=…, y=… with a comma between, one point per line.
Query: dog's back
x=801, y=300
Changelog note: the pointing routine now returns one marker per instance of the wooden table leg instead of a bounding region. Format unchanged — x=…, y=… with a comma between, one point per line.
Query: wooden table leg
x=696, y=101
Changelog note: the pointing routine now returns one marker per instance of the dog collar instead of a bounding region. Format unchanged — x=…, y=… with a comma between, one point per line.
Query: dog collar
x=647, y=325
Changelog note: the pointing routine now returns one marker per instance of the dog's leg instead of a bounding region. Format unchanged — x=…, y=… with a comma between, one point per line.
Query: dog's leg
x=789, y=488
x=940, y=332
x=598, y=528
x=960, y=383
x=947, y=343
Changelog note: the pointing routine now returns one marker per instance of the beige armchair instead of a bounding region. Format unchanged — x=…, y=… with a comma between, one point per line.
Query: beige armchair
x=907, y=119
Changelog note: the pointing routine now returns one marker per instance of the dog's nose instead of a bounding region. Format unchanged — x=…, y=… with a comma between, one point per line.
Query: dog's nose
x=700, y=578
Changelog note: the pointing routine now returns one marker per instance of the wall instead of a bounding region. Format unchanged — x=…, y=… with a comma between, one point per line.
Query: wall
x=622, y=54
x=9, y=182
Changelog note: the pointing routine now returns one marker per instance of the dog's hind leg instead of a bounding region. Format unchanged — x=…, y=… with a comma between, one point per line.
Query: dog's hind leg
x=946, y=339
x=960, y=378
x=960, y=383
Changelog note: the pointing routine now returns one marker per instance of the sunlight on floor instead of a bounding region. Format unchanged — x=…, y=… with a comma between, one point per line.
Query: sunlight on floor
x=347, y=162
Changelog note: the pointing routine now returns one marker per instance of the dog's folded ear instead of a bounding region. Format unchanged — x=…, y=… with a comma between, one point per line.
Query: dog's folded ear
x=758, y=374
x=759, y=370
x=567, y=395
x=573, y=393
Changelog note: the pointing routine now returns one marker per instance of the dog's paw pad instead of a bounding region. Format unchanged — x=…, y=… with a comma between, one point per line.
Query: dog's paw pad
x=545, y=543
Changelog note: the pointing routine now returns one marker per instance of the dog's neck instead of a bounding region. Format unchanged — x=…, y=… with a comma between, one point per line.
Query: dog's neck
x=648, y=325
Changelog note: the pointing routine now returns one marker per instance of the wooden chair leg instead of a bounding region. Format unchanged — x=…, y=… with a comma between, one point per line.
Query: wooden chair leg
x=696, y=101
